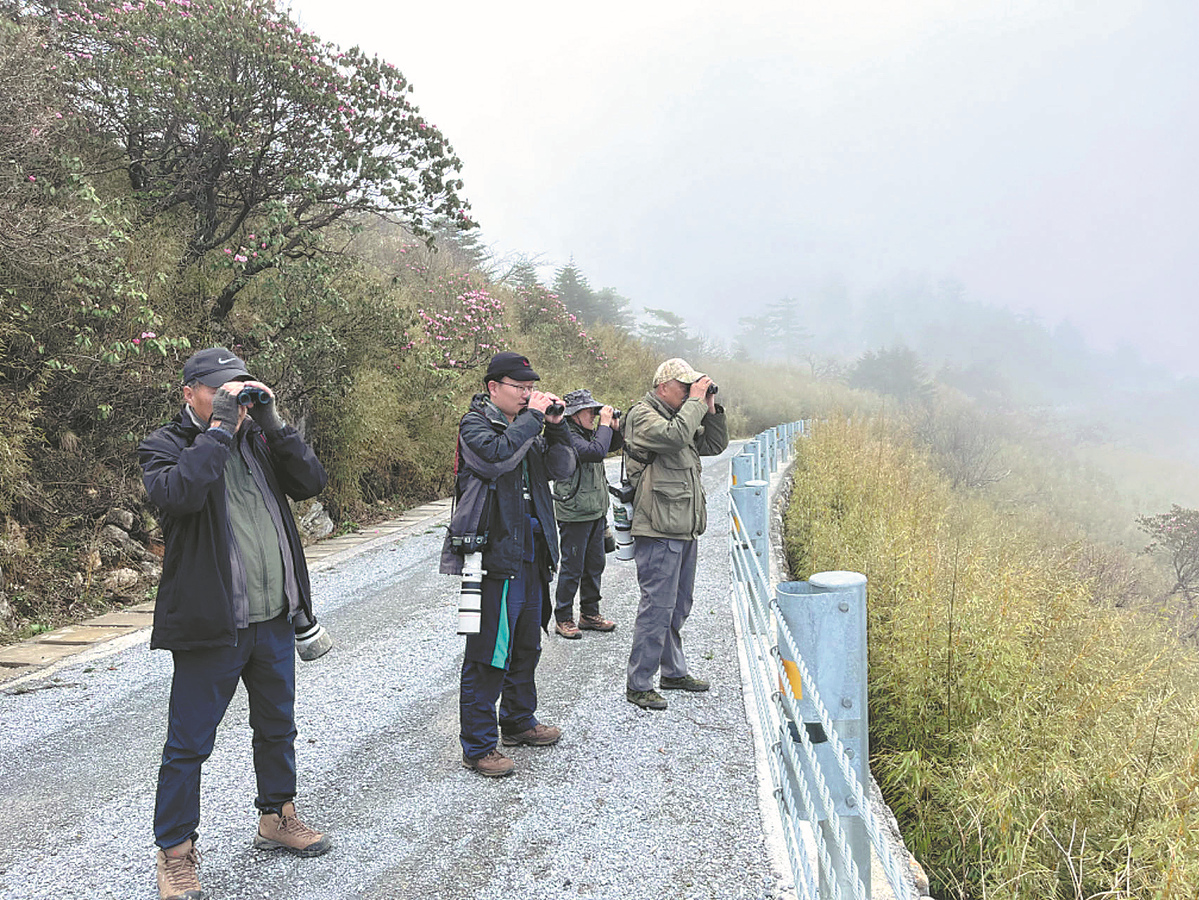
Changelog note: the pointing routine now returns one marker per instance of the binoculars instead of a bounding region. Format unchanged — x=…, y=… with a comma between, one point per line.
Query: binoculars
x=555, y=409
x=712, y=389
x=249, y=396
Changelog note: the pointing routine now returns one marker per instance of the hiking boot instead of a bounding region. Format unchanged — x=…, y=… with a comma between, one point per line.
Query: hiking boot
x=177, y=878
x=568, y=630
x=686, y=683
x=609, y=540
x=537, y=736
x=285, y=831
x=596, y=623
x=646, y=699
x=493, y=765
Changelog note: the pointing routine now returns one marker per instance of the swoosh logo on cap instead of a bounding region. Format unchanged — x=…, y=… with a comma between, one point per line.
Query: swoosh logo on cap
x=221, y=362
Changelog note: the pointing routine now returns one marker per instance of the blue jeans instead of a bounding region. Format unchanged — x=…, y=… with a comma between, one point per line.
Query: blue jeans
x=203, y=684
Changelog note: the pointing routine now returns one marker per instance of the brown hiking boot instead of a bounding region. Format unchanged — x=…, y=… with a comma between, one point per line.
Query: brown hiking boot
x=493, y=765
x=568, y=630
x=177, y=878
x=537, y=736
x=596, y=623
x=286, y=832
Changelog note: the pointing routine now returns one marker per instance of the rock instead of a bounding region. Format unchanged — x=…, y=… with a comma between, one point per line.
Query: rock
x=121, y=518
x=14, y=537
x=315, y=523
x=6, y=610
x=1, y=580
x=111, y=534
x=152, y=571
x=119, y=581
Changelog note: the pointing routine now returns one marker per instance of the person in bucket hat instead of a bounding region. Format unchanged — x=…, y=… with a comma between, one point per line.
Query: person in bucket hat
x=581, y=507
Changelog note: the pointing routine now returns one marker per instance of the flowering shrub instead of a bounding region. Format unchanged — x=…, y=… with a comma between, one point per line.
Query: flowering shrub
x=229, y=109
x=541, y=314
x=462, y=327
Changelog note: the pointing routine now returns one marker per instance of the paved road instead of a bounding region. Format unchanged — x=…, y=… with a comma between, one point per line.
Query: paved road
x=631, y=803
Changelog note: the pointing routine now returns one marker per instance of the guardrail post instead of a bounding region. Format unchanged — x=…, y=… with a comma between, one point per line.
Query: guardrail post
x=742, y=468
x=826, y=617
x=751, y=501
x=763, y=459
x=784, y=442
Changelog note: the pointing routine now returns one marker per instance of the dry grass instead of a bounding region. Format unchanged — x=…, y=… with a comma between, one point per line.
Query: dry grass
x=1033, y=742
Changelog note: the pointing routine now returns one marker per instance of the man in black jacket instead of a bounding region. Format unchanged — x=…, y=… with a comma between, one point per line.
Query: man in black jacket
x=519, y=559
x=233, y=579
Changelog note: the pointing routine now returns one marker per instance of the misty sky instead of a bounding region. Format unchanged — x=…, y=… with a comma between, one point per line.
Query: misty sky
x=712, y=157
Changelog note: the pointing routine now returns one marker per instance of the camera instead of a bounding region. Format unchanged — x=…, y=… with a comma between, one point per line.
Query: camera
x=623, y=492
x=555, y=409
x=622, y=518
x=312, y=641
x=712, y=389
x=470, y=598
x=249, y=396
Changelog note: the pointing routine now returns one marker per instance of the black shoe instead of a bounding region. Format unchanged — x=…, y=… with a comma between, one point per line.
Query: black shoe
x=686, y=683
x=646, y=699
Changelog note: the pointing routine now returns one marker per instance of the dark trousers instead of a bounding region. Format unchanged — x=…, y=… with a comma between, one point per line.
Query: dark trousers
x=510, y=675
x=666, y=576
x=204, y=683
x=580, y=568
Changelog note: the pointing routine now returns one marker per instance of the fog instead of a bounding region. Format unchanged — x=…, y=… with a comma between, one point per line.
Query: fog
x=710, y=158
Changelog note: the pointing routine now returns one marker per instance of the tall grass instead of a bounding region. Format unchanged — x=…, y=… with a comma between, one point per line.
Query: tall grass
x=1032, y=742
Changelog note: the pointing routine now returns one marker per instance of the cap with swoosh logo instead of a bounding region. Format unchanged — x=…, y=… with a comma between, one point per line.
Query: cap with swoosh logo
x=214, y=366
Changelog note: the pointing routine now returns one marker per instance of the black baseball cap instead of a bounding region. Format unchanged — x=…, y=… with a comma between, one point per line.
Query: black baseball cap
x=511, y=364
x=214, y=366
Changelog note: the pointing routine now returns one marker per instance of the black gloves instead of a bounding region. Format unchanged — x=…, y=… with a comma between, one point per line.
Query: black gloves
x=224, y=410
x=267, y=416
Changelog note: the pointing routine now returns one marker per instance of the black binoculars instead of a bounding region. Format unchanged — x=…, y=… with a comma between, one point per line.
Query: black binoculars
x=555, y=409
x=248, y=396
x=712, y=389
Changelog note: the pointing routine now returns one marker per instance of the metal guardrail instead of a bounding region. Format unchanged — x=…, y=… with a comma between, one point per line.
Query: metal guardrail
x=802, y=640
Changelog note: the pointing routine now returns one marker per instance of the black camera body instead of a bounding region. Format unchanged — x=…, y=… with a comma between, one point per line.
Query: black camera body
x=250, y=396
x=623, y=492
x=468, y=543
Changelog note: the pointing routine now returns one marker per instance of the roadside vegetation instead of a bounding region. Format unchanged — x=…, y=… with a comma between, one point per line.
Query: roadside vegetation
x=1035, y=735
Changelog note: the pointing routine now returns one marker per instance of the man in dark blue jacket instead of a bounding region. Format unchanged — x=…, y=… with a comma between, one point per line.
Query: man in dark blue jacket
x=233, y=579
x=519, y=559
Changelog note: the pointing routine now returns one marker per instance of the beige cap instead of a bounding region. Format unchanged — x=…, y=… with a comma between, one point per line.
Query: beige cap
x=676, y=370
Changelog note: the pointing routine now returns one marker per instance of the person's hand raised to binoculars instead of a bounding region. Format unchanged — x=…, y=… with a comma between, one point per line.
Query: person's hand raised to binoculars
x=606, y=417
x=226, y=413
x=699, y=390
x=265, y=414
x=541, y=401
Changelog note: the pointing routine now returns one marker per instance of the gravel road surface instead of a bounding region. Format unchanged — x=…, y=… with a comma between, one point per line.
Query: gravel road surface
x=630, y=804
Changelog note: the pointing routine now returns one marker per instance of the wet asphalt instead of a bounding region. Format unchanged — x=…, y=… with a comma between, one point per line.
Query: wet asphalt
x=630, y=804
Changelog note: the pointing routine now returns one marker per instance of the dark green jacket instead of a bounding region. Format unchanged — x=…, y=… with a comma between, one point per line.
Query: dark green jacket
x=663, y=449
x=584, y=496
